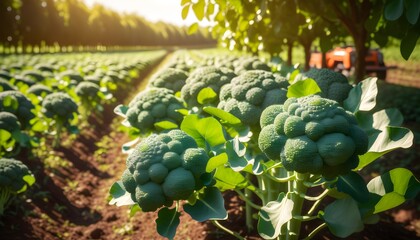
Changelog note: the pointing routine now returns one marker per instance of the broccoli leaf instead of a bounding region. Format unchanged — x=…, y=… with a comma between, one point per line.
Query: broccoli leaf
x=167, y=222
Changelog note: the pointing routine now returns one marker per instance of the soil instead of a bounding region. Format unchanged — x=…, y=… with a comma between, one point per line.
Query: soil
x=70, y=200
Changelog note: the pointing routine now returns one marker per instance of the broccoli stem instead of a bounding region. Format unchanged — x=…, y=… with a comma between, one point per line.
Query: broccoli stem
x=297, y=189
x=58, y=128
x=4, y=197
x=248, y=207
x=233, y=233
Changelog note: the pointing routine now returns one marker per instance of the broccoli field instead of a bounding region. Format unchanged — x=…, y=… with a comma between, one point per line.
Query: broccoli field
x=116, y=127
x=74, y=174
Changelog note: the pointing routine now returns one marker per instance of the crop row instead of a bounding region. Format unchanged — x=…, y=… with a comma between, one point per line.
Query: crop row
x=44, y=98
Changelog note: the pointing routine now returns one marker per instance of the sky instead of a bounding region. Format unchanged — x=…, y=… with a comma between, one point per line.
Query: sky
x=153, y=10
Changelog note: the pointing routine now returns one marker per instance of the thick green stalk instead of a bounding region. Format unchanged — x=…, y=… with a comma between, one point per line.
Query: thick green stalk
x=297, y=190
x=248, y=207
x=57, y=137
x=4, y=198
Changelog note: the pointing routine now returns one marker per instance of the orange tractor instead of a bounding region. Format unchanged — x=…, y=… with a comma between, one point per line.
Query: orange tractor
x=342, y=59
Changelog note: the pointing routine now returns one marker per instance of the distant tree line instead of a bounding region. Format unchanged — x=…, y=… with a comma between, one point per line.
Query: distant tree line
x=71, y=22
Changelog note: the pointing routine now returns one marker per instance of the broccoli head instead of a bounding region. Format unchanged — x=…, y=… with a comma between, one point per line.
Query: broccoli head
x=333, y=85
x=151, y=106
x=9, y=122
x=250, y=63
x=59, y=106
x=39, y=90
x=248, y=94
x=170, y=78
x=15, y=102
x=72, y=76
x=312, y=135
x=87, y=90
x=163, y=168
x=5, y=85
x=12, y=181
x=204, y=77
x=34, y=75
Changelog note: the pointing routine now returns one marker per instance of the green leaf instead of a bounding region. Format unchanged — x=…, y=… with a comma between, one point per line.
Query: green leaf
x=207, y=132
x=29, y=179
x=134, y=209
x=389, y=139
x=224, y=116
x=412, y=13
x=236, y=154
x=206, y=95
x=394, y=187
x=167, y=222
x=10, y=103
x=227, y=179
x=193, y=28
x=198, y=9
x=393, y=9
x=121, y=110
x=183, y=2
x=362, y=97
x=4, y=136
x=408, y=43
x=273, y=216
x=303, y=88
x=216, y=161
x=209, y=206
x=120, y=197
x=165, y=125
x=185, y=11
x=343, y=217
x=354, y=185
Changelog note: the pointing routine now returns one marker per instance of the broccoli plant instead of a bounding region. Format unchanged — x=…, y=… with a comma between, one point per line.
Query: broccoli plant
x=15, y=177
x=60, y=108
x=150, y=109
x=333, y=85
x=11, y=136
x=206, y=81
x=170, y=78
x=248, y=94
x=91, y=97
x=15, y=102
x=312, y=135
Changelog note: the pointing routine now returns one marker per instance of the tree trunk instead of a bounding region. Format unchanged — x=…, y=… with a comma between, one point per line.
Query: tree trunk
x=361, y=51
x=289, y=53
x=307, y=50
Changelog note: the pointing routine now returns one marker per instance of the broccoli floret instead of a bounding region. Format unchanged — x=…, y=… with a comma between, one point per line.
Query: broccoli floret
x=88, y=93
x=248, y=94
x=5, y=75
x=45, y=68
x=93, y=79
x=205, y=77
x=170, y=78
x=72, y=76
x=34, y=75
x=13, y=180
x=163, y=168
x=9, y=122
x=23, y=80
x=5, y=85
x=250, y=63
x=333, y=85
x=39, y=90
x=151, y=106
x=15, y=102
x=60, y=107
x=312, y=135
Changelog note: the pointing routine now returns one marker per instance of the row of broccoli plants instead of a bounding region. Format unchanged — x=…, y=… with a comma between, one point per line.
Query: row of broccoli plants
x=273, y=139
x=42, y=96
